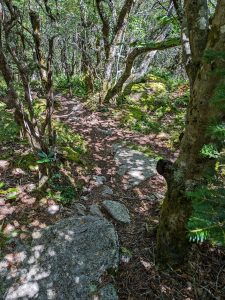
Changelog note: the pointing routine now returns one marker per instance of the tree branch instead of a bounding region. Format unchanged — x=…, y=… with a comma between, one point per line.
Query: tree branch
x=133, y=55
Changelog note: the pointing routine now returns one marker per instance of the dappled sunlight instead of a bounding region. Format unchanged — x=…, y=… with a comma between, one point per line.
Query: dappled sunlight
x=36, y=272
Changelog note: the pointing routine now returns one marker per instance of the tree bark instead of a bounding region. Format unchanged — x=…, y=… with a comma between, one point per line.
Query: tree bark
x=189, y=169
x=111, y=42
x=130, y=60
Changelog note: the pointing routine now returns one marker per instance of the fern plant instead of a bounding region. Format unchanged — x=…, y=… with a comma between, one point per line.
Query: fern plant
x=208, y=218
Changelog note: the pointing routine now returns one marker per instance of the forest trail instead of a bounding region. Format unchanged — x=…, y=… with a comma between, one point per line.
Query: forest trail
x=103, y=178
x=103, y=135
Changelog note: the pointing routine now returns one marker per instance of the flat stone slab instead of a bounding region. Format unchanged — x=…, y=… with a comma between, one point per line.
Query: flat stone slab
x=65, y=260
x=134, y=164
x=117, y=210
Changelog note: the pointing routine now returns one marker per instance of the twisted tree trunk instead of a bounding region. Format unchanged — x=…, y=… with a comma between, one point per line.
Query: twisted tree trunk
x=189, y=169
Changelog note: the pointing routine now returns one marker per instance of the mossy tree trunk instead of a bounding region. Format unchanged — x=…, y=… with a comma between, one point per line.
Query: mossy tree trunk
x=190, y=168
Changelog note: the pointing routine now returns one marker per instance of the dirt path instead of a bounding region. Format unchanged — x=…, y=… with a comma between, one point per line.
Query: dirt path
x=137, y=240
x=102, y=132
x=138, y=276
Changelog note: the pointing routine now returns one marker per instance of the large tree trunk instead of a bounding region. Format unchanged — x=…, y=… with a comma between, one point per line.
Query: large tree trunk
x=189, y=169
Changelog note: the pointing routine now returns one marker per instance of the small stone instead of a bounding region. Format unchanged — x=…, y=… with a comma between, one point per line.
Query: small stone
x=81, y=209
x=53, y=209
x=163, y=136
x=122, y=170
x=117, y=210
x=99, y=179
x=95, y=210
x=105, y=131
x=4, y=164
x=117, y=146
x=8, y=229
x=107, y=191
x=84, y=198
x=31, y=187
x=86, y=190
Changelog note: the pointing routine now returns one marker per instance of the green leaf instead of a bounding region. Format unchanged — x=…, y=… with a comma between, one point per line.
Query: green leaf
x=2, y=184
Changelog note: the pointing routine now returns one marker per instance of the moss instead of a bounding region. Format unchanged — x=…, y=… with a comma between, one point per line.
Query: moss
x=39, y=106
x=144, y=149
x=140, y=87
x=9, y=130
x=156, y=87
x=3, y=88
x=70, y=144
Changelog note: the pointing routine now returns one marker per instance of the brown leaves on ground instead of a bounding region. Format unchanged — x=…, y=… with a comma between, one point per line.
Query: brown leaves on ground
x=138, y=276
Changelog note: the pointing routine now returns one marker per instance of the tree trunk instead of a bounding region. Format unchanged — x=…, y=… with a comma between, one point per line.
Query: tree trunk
x=117, y=88
x=190, y=168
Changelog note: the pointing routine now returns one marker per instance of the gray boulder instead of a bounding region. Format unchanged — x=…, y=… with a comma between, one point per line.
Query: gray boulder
x=108, y=292
x=95, y=210
x=117, y=210
x=65, y=260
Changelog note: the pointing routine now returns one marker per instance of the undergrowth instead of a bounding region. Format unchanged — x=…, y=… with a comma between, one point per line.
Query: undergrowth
x=156, y=104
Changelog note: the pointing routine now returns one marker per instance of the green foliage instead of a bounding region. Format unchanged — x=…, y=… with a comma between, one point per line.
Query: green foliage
x=9, y=193
x=3, y=88
x=210, y=151
x=148, y=101
x=211, y=55
x=207, y=221
x=218, y=99
x=9, y=130
x=70, y=144
x=218, y=131
x=172, y=82
x=46, y=157
x=75, y=83
x=39, y=106
x=61, y=190
x=172, y=21
x=208, y=218
x=35, y=85
x=27, y=162
x=138, y=120
x=3, y=241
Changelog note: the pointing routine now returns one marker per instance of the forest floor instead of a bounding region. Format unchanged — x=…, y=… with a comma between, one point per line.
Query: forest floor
x=23, y=211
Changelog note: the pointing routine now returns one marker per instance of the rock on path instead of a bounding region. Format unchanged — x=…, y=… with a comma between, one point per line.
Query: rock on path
x=66, y=260
x=134, y=164
x=117, y=210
